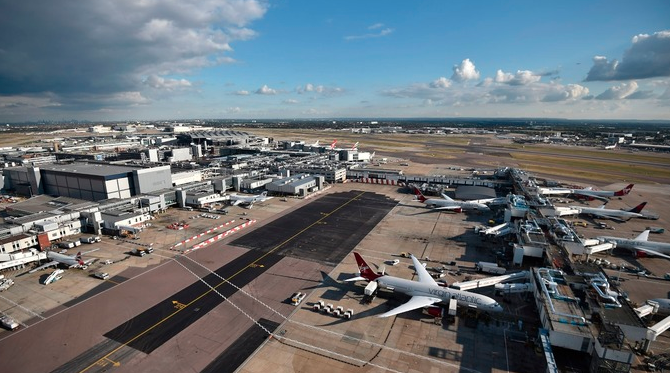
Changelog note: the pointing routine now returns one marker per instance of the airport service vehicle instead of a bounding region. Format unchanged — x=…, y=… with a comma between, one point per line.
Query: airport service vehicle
x=297, y=298
x=618, y=215
x=54, y=276
x=142, y=251
x=101, y=275
x=9, y=323
x=488, y=267
x=447, y=204
x=92, y=239
x=424, y=292
x=640, y=245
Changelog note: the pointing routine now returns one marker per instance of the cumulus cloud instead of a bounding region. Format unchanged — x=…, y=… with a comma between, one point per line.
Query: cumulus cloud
x=522, y=77
x=265, y=90
x=618, y=92
x=440, y=82
x=108, y=47
x=648, y=57
x=241, y=93
x=320, y=89
x=558, y=92
x=465, y=71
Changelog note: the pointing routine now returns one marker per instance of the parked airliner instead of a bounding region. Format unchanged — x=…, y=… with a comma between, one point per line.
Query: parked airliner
x=587, y=192
x=66, y=260
x=248, y=201
x=424, y=292
x=619, y=215
x=640, y=245
x=448, y=204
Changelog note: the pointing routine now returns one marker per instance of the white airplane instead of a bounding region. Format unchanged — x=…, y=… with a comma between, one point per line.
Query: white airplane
x=602, y=194
x=353, y=147
x=640, y=245
x=66, y=260
x=448, y=204
x=424, y=292
x=663, y=306
x=248, y=201
x=618, y=215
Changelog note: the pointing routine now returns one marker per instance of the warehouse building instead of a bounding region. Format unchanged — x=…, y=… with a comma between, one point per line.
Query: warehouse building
x=300, y=185
x=87, y=181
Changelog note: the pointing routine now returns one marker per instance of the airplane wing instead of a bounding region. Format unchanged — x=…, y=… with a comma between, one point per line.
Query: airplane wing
x=52, y=263
x=424, y=276
x=236, y=202
x=417, y=301
x=448, y=208
x=590, y=195
x=652, y=252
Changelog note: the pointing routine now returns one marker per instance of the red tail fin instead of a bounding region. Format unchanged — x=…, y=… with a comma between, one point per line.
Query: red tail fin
x=637, y=209
x=419, y=195
x=332, y=146
x=624, y=191
x=78, y=258
x=364, y=268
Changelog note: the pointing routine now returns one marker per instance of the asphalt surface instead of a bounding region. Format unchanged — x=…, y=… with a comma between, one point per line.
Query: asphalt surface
x=236, y=354
x=325, y=230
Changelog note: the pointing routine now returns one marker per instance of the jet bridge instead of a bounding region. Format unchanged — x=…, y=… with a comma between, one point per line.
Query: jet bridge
x=654, y=331
x=489, y=281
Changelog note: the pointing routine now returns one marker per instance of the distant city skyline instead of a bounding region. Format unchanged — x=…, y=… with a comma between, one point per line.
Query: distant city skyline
x=251, y=59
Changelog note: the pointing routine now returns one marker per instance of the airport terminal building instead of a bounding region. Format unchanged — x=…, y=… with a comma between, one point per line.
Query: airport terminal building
x=88, y=181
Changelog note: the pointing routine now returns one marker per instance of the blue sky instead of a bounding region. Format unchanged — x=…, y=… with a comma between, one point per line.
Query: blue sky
x=251, y=59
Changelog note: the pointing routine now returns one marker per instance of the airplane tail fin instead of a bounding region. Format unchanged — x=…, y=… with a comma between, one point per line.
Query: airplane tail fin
x=332, y=146
x=78, y=258
x=355, y=147
x=364, y=268
x=637, y=209
x=419, y=195
x=644, y=236
x=624, y=191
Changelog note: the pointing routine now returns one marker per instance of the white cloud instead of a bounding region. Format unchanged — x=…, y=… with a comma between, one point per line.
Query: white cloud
x=265, y=90
x=319, y=89
x=375, y=26
x=522, y=77
x=465, y=71
x=383, y=32
x=618, y=92
x=291, y=101
x=559, y=92
x=440, y=82
x=648, y=57
x=169, y=84
x=242, y=93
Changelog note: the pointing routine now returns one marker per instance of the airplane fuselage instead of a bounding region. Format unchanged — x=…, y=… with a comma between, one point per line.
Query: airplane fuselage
x=607, y=212
x=433, y=202
x=414, y=288
x=631, y=244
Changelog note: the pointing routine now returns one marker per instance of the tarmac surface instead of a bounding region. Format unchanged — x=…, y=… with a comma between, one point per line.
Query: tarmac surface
x=164, y=306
